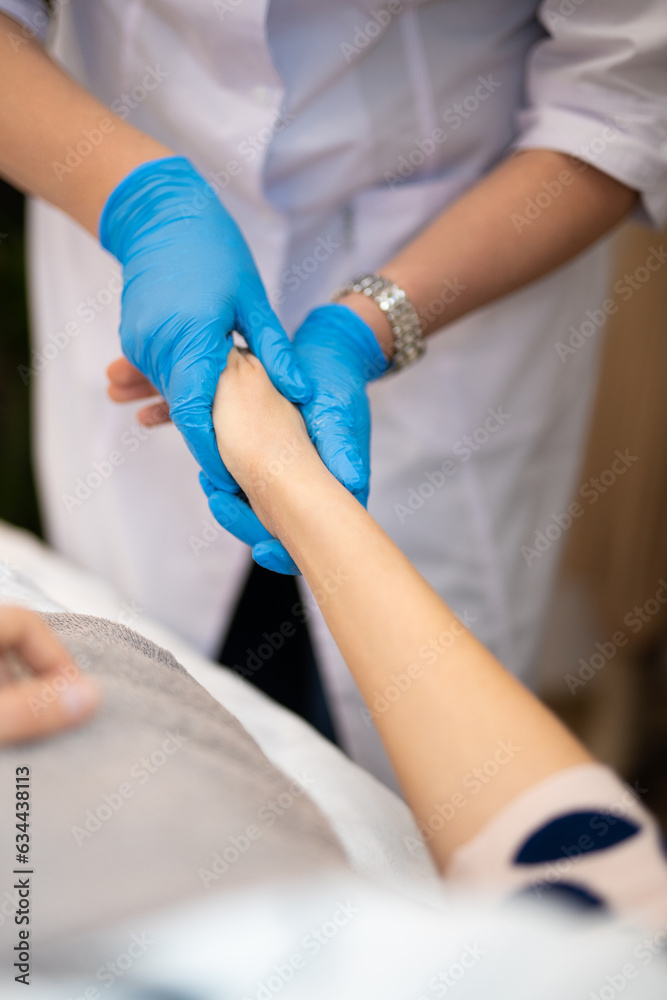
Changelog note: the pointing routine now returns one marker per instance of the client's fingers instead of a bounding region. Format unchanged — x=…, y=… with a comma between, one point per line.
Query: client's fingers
x=123, y=372
x=36, y=708
x=127, y=383
x=156, y=413
x=26, y=634
x=127, y=394
x=58, y=698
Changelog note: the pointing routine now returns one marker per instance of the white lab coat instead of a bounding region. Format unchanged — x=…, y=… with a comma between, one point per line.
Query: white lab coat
x=334, y=132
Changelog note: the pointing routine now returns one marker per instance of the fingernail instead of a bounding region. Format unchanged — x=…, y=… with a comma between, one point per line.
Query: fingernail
x=78, y=698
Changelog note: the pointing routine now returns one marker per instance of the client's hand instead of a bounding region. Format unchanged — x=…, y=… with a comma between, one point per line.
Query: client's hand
x=57, y=698
x=260, y=434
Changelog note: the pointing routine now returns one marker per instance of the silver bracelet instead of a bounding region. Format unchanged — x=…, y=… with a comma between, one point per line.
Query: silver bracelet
x=409, y=344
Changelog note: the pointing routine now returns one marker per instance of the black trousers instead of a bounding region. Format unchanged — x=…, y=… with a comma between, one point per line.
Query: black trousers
x=268, y=643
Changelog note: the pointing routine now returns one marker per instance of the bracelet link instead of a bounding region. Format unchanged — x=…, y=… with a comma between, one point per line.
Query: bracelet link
x=409, y=343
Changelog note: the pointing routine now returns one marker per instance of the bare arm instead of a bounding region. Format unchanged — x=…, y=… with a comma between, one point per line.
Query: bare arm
x=456, y=703
x=484, y=246
x=42, y=112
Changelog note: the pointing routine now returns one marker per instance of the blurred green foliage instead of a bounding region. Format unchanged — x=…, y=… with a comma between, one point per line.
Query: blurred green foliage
x=18, y=503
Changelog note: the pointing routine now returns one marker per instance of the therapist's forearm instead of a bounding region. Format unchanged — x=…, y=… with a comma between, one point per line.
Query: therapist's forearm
x=443, y=705
x=479, y=249
x=42, y=113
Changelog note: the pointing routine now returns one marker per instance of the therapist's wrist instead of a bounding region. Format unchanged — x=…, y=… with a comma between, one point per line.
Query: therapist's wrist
x=124, y=150
x=132, y=150
x=389, y=306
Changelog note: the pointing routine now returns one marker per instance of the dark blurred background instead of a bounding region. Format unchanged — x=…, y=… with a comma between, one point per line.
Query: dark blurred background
x=18, y=503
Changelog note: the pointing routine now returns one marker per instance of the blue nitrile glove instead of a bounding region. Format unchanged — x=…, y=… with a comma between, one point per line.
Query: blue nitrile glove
x=339, y=354
x=189, y=280
x=236, y=516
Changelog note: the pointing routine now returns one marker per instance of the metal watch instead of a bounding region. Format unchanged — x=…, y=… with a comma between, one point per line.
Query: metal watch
x=409, y=344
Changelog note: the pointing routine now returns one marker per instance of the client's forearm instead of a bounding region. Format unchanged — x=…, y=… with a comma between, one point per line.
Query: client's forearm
x=442, y=703
x=444, y=707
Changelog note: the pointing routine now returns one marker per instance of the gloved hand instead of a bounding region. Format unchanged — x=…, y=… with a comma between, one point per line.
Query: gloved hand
x=189, y=280
x=339, y=354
